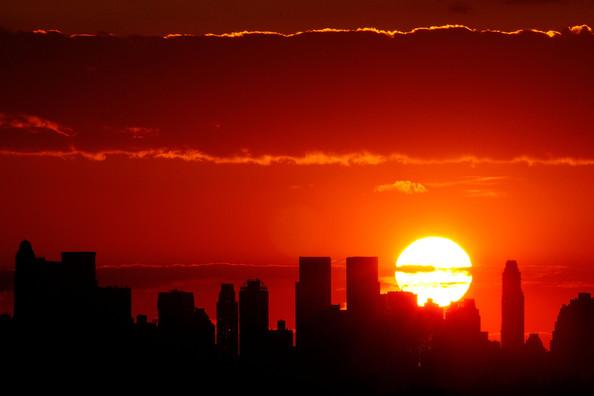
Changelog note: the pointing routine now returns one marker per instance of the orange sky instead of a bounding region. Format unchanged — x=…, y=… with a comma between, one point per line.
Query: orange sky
x=252, y=151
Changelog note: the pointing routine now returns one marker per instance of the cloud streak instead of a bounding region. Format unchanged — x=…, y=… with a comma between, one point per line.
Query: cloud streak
x=480, y=186
x=458, y=7
x=391, y=33
x=403, y=186
x=33, y=124
x=362, y=158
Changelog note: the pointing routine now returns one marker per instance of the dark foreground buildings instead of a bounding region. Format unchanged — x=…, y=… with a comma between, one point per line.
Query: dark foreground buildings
x=184, y=326
x=65, y=294
x=381, y=344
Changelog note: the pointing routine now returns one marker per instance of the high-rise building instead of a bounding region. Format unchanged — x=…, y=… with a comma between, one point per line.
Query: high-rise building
x=573, y=337
x=313, y=295
x=253, y=317
x=26, y=283
x=227, y=320
x=362, y=284
x=512, y=308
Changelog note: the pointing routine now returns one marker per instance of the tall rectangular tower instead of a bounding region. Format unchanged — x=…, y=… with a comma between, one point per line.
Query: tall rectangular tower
x=362, y=284
x=253, y=318
x=512, y=308
x=227, y=320
x=313, y=295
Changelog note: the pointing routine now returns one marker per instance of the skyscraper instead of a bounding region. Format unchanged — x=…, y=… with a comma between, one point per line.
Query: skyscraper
x=362, y=284
x=227, y=320
x=512, y=308
x=26, y=283
x=573, y=336
x=253, y=317
x=313, y=295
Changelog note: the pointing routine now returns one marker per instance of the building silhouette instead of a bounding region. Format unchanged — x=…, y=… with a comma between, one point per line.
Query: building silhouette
x=253, y=318
x=280, y=342
x=534, y=346
x=203, y=330
x=227, y=321
x=176, y=310
x=313, y=298
x=39, y=287
x=362, y=285
x=64, y=294
x=512, y=308
x=184, y=326
x=573, y=337
x=30, y=288
x=462, y=318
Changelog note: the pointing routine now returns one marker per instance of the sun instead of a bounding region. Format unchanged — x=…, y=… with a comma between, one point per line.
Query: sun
x=434, y=268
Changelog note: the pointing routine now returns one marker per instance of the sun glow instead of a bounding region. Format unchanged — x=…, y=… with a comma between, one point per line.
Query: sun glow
x=434, y=268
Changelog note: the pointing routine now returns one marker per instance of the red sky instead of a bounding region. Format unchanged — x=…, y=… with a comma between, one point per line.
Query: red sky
x=157, y=17
x=189, y=161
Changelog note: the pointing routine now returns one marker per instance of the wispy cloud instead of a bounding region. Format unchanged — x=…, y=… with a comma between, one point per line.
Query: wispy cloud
x=362, y=158
x=458, y=7
x=403, y=186
x=389, y=33
x=33, y=124
x=481, y=186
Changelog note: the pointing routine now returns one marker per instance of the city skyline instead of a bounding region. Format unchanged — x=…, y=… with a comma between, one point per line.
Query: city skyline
x=312, y=293
x=388, y=340
x=335, y=280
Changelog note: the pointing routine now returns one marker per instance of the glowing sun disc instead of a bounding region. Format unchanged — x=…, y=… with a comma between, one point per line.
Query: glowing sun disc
x=434, y=268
